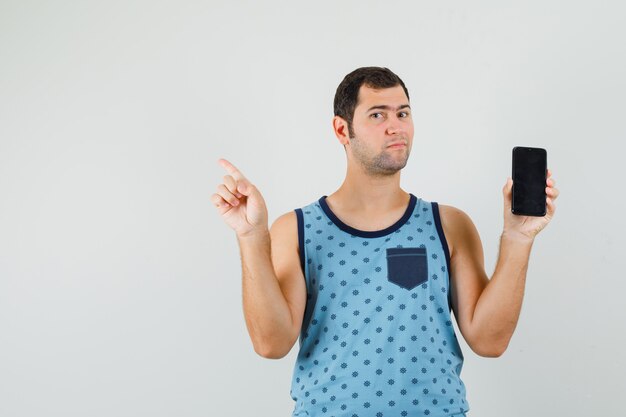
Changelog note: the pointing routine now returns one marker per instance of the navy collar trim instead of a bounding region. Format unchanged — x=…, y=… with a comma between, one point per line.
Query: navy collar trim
x=369, y=233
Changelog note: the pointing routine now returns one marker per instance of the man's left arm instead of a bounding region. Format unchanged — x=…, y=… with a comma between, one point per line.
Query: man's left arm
x=487, y=310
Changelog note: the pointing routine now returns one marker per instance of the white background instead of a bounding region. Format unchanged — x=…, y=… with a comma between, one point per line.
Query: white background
x=120, y=285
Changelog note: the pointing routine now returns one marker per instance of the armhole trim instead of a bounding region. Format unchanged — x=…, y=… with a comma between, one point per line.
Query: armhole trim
x=300, y=217
x=444, y=244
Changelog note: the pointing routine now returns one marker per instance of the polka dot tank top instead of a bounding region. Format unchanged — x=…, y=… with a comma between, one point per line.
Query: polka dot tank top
x=377, y=338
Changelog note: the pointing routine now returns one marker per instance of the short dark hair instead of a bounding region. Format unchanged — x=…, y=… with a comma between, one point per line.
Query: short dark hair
x=347, y=93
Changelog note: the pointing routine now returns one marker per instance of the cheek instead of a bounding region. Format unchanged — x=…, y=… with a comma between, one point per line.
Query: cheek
x=371, y=131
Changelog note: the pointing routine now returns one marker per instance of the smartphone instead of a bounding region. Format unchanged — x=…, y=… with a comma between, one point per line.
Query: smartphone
x=530, y=170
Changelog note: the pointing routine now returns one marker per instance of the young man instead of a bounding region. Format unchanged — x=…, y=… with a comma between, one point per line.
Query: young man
x=368, y=276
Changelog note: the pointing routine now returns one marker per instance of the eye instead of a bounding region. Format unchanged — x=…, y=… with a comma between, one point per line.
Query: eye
x=404, y=114
x=373, y=115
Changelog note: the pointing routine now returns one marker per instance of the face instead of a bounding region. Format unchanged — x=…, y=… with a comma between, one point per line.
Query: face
x=381, y=118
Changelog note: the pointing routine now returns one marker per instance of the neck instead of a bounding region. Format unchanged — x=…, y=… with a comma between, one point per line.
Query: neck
x=364, y=192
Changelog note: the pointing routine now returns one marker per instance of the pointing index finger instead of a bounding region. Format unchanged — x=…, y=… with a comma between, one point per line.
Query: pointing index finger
x=232, y=170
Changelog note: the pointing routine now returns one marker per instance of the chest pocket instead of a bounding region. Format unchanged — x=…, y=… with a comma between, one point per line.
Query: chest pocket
x=407, y=267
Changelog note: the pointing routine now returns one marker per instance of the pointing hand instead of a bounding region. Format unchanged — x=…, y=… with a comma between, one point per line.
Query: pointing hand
x=240, y=203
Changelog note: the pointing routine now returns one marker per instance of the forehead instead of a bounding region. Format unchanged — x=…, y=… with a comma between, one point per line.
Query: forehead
x=369, y=97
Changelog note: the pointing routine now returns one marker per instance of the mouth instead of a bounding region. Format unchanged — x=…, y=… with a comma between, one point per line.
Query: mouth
x=397, y=145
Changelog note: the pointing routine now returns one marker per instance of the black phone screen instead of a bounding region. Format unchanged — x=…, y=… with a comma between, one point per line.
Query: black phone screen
x=529, y=181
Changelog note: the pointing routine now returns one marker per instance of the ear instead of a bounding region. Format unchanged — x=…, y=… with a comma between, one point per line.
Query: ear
x=340, y=126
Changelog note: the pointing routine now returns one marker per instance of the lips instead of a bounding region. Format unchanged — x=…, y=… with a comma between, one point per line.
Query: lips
x=396, y=144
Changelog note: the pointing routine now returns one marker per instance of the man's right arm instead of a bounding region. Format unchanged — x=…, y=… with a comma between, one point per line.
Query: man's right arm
x=274, y=289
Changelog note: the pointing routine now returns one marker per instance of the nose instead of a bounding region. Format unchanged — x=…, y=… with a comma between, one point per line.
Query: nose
x=396, y=126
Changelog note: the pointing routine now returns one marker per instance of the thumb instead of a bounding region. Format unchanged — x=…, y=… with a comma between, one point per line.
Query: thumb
x=507, y=192
x=507, y=186
x=244, y=187
x=256, y=212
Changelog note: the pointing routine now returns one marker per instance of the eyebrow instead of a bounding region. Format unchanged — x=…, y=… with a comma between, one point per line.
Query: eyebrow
x=384, y=107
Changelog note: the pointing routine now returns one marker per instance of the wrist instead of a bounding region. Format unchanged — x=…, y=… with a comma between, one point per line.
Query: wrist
x=255, y=234
x=517, y=237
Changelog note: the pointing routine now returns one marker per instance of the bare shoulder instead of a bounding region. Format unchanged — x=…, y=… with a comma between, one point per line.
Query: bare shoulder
x=285, y=229
x=452, y=214
x=285, y=247
x=454, y=222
